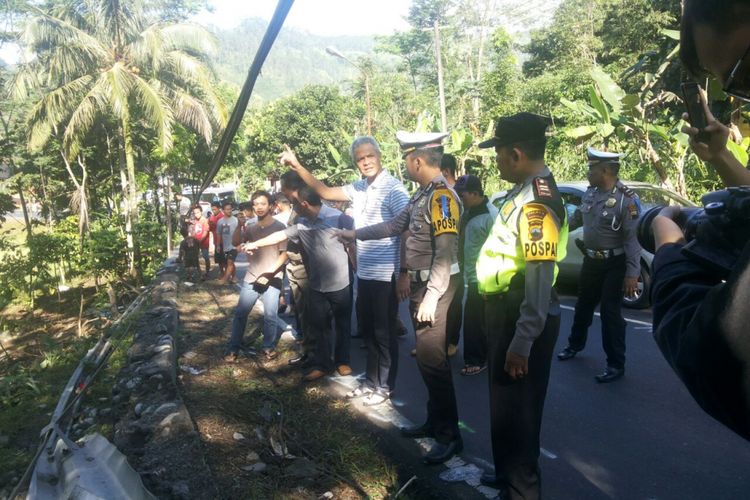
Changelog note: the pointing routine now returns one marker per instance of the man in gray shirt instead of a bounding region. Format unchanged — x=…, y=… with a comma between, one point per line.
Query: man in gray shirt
x=262, y=280
x=328, y=279
x=376, y=197
x=225, y=229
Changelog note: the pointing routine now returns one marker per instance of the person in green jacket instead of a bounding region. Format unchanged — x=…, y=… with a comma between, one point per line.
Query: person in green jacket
x=516, y=272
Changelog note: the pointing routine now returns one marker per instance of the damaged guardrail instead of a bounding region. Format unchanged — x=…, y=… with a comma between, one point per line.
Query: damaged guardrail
x=61, y=468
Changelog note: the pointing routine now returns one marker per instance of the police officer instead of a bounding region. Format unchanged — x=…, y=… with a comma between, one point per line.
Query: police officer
x=431, y=263
x=611, y=261
x=516, y=272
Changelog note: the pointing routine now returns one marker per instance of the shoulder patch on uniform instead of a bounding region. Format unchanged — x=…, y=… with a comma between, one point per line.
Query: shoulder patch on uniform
x=542, y=188
x=444, y=212
x=539, y=233
x=627, y=191
x=633, y=210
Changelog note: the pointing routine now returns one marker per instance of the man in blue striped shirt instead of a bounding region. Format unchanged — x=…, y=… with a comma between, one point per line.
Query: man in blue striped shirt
x=375, y=198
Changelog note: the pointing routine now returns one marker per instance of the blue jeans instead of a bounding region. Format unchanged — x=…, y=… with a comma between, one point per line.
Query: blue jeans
x=248, y=297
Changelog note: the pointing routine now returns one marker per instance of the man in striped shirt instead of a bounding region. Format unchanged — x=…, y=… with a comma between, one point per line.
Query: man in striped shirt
x=375, y=198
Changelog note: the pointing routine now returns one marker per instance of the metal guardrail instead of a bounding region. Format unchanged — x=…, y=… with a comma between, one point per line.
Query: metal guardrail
x=93, y=459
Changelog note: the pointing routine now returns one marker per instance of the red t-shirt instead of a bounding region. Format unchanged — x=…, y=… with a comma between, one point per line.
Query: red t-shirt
x=200, y=232
x=212, y=225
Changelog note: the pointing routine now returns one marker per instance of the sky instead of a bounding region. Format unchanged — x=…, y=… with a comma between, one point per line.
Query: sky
x=319, y=17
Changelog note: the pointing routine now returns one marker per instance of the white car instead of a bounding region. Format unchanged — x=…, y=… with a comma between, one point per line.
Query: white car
x=211, y=194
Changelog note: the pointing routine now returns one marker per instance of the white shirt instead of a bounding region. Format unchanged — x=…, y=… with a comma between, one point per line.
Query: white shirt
x=372, y=204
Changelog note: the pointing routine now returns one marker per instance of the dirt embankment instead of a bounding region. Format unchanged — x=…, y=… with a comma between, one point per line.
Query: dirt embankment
x=267, y=435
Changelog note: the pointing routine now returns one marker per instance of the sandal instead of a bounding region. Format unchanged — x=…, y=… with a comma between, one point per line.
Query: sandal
x=270, y=355
x=375, y=398
x=473, y=369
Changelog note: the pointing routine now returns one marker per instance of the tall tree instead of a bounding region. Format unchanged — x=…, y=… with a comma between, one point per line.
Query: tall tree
x=108, y=58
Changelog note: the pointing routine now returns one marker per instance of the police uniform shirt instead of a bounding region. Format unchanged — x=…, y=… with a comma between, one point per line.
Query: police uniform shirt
x=610, y=221
x=528, y=238
x=431, y=217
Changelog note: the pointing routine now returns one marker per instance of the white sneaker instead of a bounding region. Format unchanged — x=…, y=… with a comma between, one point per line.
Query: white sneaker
x=358, y=392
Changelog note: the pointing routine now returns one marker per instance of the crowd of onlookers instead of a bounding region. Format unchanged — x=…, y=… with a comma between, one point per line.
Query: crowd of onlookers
x=319, y=272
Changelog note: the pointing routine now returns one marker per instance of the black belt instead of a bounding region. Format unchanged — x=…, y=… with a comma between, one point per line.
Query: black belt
x=604, y=254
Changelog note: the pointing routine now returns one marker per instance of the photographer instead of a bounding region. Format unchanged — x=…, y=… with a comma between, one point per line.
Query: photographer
x=701, y=316
x=715, y=40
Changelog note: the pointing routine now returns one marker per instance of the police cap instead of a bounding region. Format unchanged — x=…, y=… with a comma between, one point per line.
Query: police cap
x=597, y=157
x=521, y=127
x=412, y=141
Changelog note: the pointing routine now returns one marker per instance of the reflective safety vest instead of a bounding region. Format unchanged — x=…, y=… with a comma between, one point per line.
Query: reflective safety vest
x=531, y=226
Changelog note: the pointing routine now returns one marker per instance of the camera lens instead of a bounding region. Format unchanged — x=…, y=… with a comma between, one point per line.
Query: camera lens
x=645, y=233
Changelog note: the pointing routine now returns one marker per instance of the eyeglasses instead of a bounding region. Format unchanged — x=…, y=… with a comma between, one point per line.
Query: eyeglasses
x=738, y=82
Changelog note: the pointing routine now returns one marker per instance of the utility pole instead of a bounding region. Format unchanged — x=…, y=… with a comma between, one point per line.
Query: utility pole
x=365, y=75
x=441, y=87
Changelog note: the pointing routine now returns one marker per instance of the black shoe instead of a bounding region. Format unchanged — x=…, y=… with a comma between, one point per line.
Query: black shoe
x=610, y=375
x=419, y=431
x=567, y=353
x=298, y=361
x=442, y=452
x=490, y=479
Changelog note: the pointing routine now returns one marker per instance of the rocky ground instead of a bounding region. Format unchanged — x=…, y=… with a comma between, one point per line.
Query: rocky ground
x=194, y=426
x=268, y=435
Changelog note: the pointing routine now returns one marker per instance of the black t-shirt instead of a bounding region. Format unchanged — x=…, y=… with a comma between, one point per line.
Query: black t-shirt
x=701, y=327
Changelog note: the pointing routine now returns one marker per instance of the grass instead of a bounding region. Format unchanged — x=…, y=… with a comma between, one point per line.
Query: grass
x=45, y=351
x=254, y=397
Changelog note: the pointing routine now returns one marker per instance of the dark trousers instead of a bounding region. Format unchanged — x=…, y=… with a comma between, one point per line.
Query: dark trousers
x=455, y=313
x=516, y=406
x=395, y=321
x=321, y=308
x=601, y=281
x=375, y=305
x=432, y=361
x=475, y=332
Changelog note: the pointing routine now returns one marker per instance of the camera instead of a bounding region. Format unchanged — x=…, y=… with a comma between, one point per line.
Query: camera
x=716, y=233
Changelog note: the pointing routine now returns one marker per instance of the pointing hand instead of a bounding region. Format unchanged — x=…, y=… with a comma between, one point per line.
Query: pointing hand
x=288, y=158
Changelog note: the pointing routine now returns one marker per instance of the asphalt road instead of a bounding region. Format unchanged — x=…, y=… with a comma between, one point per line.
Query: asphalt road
x=642, y=437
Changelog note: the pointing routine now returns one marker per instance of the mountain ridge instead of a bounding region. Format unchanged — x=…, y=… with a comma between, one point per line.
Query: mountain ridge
x=298, y=58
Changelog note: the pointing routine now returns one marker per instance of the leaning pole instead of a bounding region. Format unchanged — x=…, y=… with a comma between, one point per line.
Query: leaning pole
x=277, y=21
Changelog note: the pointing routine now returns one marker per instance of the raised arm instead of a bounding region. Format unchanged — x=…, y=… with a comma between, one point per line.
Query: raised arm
x=288, y=158
x=269, y=240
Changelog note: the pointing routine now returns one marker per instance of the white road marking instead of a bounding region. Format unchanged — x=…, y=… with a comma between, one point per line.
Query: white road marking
x=634, y=321
x=548, y=453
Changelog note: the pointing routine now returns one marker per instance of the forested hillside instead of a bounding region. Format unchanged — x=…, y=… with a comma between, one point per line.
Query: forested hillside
x=297, y=58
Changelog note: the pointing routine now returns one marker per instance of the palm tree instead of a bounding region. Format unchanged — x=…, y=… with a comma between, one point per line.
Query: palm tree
x=104, y=62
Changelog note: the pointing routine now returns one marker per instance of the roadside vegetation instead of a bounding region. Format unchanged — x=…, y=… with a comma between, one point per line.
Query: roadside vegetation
x=116, y=107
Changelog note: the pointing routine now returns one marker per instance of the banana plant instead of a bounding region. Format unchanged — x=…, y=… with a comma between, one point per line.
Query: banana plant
x=617, y=120
x=603, y=111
